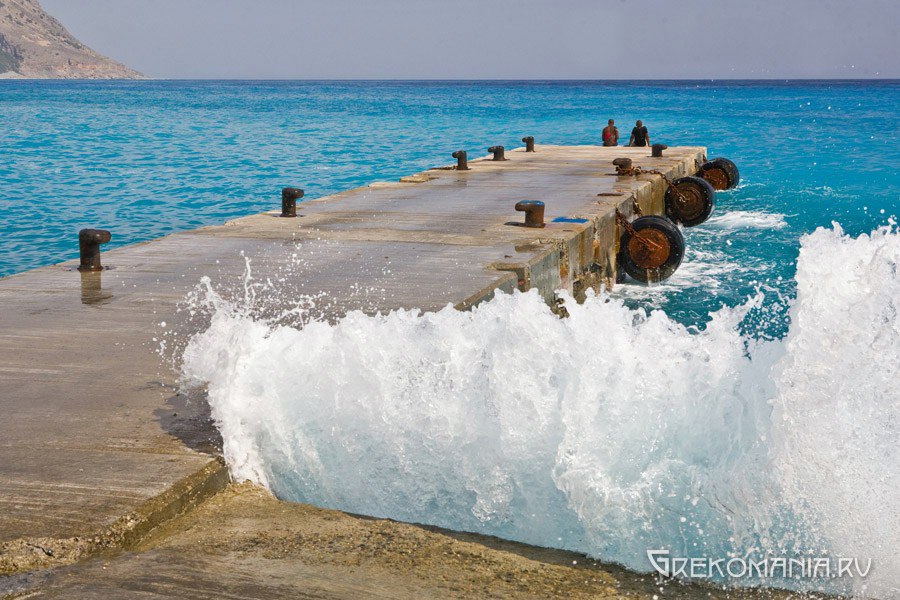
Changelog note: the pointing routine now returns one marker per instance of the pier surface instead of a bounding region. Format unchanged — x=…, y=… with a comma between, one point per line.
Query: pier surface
x=96, y=446
x=243, y=543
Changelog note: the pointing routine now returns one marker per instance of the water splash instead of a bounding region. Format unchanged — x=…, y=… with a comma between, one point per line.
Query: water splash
x=746, y=219
x=610, y=432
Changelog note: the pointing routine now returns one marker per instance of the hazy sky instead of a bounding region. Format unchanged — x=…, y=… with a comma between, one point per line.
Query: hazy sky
x=507, y=39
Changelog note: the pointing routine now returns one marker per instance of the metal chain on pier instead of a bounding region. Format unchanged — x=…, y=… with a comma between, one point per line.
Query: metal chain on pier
x=624, y=168
x=635, y=171
x=622, y=220
x=636, y=208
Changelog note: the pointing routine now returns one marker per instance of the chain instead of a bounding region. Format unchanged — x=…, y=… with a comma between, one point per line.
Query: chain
x=623, y=221
x=635, y=171
x=627, y=226
x=636, y=208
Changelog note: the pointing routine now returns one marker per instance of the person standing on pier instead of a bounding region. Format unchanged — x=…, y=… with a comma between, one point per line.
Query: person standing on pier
x=639, y=135
x=611, y=134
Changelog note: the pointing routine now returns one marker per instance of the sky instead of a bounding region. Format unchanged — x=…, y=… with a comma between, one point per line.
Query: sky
x=492, y=39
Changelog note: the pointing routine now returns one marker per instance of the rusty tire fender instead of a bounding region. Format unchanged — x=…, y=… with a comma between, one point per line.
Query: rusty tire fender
x=698, y=199
x=663, y=256
x=721, y=173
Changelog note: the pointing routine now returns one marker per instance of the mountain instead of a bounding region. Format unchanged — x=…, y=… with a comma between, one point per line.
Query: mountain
x=35, y=45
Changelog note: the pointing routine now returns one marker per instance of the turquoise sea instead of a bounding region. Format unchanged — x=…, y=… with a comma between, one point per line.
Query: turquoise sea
x=145, y=159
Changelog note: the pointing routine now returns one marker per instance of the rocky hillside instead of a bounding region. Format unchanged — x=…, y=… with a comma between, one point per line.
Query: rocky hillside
x=33, y=44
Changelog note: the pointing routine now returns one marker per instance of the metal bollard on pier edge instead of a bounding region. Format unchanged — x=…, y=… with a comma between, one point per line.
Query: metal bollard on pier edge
x=499, y=152
x=529, y=143
x=534, y=212
x=89, y=242
x=623, y=165
x=656, y=150
x=462, y=160
x=289, y=197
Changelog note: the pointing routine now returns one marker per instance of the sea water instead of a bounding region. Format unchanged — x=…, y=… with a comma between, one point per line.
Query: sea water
x=748, y=405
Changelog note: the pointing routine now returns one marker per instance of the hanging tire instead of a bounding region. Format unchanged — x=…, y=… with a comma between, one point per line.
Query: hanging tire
x=721, y=173
x=655, y=250
x=694, y=204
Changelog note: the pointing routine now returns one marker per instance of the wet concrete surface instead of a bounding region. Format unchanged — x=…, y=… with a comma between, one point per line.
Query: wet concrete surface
x=243, y=543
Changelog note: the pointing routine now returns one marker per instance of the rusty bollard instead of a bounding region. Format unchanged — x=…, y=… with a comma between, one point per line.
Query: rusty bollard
x=657, y=150
x=623, y=165
x=462, y=160
x=498, y=152
x=534, y=212
x=89, y=241
x=289, y=197
x=529, y=143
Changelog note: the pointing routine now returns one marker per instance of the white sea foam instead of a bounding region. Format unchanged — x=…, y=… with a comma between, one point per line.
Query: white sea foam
x=611, y=432
x=704, y=269
x=746, y=219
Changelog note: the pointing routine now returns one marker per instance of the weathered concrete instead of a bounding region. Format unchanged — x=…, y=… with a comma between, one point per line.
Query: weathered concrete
x=245, y=544
x=93, y=432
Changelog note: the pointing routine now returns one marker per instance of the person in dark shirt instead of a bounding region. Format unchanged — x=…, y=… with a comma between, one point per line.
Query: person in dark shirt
x=639, y=136
x=611, y=134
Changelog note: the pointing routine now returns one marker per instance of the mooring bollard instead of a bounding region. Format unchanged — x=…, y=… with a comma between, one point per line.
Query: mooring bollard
x=534, y=212
x=657, y=150
x=529, y=143
x=89, y=241
x=498, y=152
x=289, y=197
x=623, y=165
x=462, y=160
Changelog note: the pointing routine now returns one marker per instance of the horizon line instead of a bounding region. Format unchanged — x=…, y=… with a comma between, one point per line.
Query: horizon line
x=485, y=80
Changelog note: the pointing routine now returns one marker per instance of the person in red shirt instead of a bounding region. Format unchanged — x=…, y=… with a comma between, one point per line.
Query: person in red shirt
x=611, y=134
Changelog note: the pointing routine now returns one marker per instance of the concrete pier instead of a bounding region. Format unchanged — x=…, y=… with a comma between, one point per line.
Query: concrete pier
x=97, y=449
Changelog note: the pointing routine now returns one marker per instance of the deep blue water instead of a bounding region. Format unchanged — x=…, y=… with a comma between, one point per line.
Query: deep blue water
x=145, y=159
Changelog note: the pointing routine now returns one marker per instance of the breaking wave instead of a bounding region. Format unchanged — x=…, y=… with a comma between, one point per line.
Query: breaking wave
x=610, y=432
x=746, y=219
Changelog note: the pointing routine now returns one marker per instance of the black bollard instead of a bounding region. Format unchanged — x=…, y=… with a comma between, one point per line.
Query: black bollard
x=498, y=152
x=289, y=197
x=529, y=143
x=462, y=160
x=534, y=212
x=623, y=165
x=657, y=150
x=89, y=241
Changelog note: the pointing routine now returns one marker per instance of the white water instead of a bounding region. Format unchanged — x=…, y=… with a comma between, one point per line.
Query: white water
x=746, y=219
x=610, y=432
x=706, y=267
